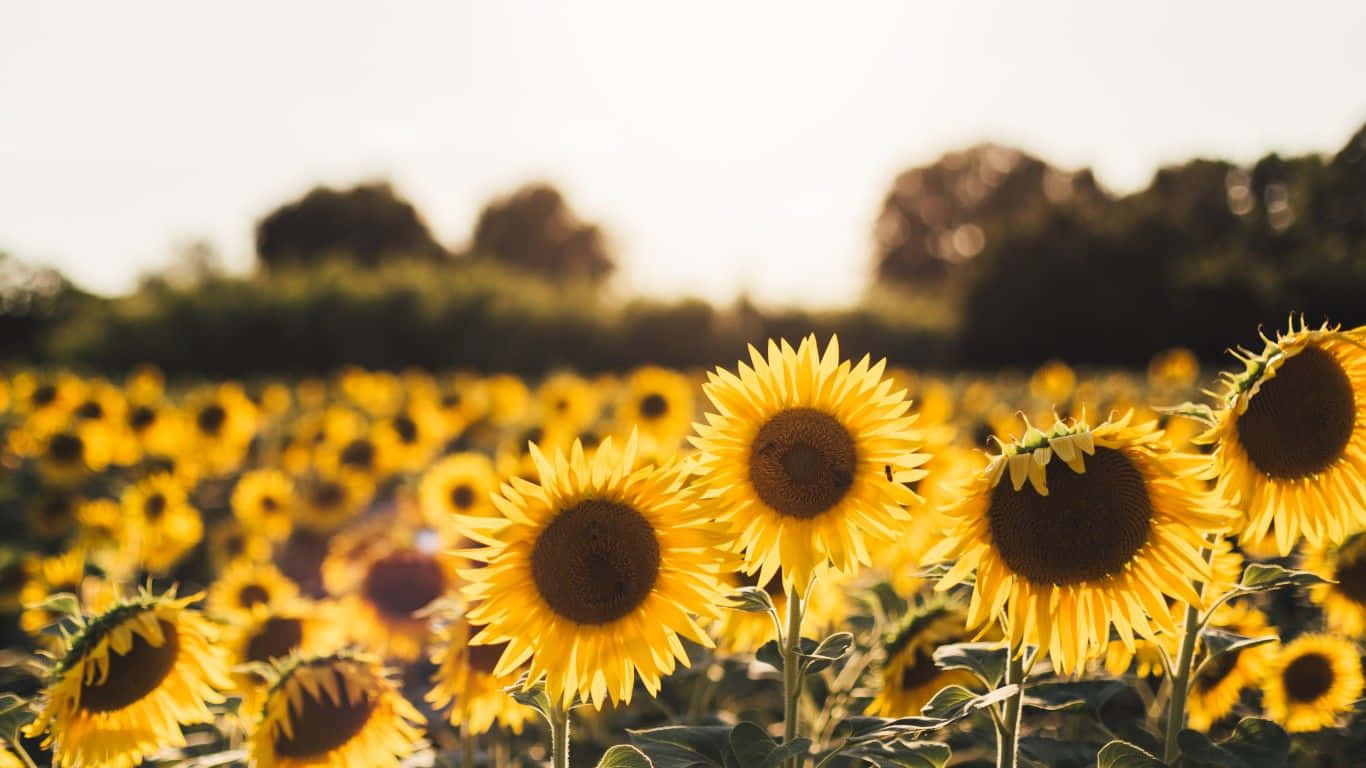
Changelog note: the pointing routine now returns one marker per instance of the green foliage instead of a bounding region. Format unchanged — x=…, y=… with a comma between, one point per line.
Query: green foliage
x=985, y=660
x=1265, y=577
x=534, y=229
x=366, y=225
x=1254, y=743
x=1122, y=754
x=623, y=756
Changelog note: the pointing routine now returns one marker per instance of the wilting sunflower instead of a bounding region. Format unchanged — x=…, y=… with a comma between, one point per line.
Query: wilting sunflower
x=464, y=686
x=128, y=680
x=460, y=484
x=806, y=459
x=1217, y=686
x=1344, y=598
x=164, y=522
x=244, y=585
x=1290, y=438
x=660, y=402
x=334, y=711
x=594, y=573
x=263, y=500
x=1096, y=526
x=386, y=588
x=1312, y=681
x=909, y=676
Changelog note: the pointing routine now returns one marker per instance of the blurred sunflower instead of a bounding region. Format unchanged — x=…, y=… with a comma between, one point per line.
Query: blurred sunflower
x=594, y=574
x=47, y=576
x=52, y=514
x=244, y=585
x=460, y=484
x=1290, y=437
x=806, y=459
x=1098, y=537
x=1314, y=680
x=1218, y=685
x=156, y=428
x=508, y=399
x=378, y=393
x=567, y=401
x=334, y=711
x=660, y=402
x=386, y=589
x=66, y=456
x=410, y=437
x=464, y=686
x=128, y=680
x=360, y=457
x=229, y=541
x=263, y=500
x=909, y=676
x=271, y=633
x=46, y=404
x=222, y=422
x=165, y=524
x=1344, y=598
x=327, y=502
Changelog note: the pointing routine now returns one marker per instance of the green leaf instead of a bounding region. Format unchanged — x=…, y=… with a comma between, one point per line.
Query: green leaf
x=1084, y=695
x=985, y=660
x=1262, y=577
x=1196, y=411
x=1255, y=743
x=900, y=754
x=829, y=651
x=682, y=746
x=624, y=756
x=752, y=600
x=794, y=748
x=751, y=743
x=1222, y=644
x=61, y=604
x=955, y=702
x=1054, y=752
x=1122, y=754
x=14, y=714
x=533, y=697
x=769, y=653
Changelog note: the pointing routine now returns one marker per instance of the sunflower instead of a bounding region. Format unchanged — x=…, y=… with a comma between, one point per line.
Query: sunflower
x=1217, y=686
x=909, y=676
x=660, y=402
x=378, y=393
x=387, y=589
x=166, y=525
x=272, y=633
x=222, y=422
x=128, y=680
x=1343, y=598
x=1312, y=681
x=464, y=686
x=806, y=459
x=594, y=573
x=329, y=501
x=359, y=457
x=156, y=428
x=567, y=401
x=263, y=500
x=52, y=514
x=1067, y=547
x=69, y=455
x=229, y=541
x=410, y=436
x=1290, y=438
x=460, y=484
x=741, y=632
x=334, y=711
x=48, y=576
x=244, y=585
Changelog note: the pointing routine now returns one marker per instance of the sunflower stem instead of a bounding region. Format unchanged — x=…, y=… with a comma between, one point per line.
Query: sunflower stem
x=468, y=746
x=559, y=735
x=1008, y=745
x=1176, y=713
x=792, y=670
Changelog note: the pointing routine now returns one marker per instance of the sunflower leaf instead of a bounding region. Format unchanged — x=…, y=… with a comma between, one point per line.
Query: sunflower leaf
x=685, y=746
x=1122, y=754
x=534, y=697
x=624, y=756
x=14, y=714
x=829, y=651
x=1195, y=411
x=954, y=702
x=899, y=754
x=751, y=743
x=1261, y=577
x=769, y=653
x=61, y=603
x=1219, y=642
x=1255, y=743
x=985, y=660
x=794, y=748
x=752, y=600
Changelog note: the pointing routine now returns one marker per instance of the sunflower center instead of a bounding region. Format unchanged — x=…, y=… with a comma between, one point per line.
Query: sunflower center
x=1350, y=573
x=252, y=594
x=269, y=504
x=210, y=418
x=44, y=395
x=141, y=418
x=653, y=405
x=328, y=494
x=919, y=671
x=803, y=462
x=462, y=496
x=275, y=639
x=1308, y=677
x=90, y=409
x=596, y=561
x=154, y=507
x=402, y=582
x=65, y=447
x=1213, y=673
x=483, y=658
x=133, y=675
x=235, y=544
x=1089, y=525
x=359, y=454
x=1299, y=422
x=321, y=725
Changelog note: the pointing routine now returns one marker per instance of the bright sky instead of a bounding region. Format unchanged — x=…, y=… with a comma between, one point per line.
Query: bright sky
x=728, y=147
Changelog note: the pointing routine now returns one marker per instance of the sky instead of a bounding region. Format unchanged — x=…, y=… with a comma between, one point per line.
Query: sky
x=727, y=148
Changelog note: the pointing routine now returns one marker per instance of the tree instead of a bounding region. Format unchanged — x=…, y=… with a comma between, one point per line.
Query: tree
x=535, y=229
x=365, y=224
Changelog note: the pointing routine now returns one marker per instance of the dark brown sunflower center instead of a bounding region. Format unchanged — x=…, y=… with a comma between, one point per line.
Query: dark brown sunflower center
x=596, y=561
x=210, y=418
x=1213, y=673
x=1350, y=573
x=1299, y=422
x=406, y=429
x=1089, y=525
x=462, y=496
x=358, y=454
x=919, y=670
x=90, y=409
x=803, y=462
x=653, y=405
x=328, y=494
x=483, y=658
x=154, y=507
x=235, y=544
x=269, y=504
x=133, y=675
x=44, y=395
x=322, y=725
x=141, y=418
x=65, y=447
x=400, y=583
x=275, y=639
x=1308, y=677
x=252, y=594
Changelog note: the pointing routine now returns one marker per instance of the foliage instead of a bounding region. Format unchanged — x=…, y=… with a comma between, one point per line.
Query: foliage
x=365, y=224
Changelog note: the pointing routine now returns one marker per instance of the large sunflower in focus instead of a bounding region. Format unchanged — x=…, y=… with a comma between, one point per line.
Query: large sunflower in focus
x=334, y=711
x=909, y=677
x=1072, y=531
x=1290, y=439
x=465, y=687
x=1315, y=679
x=594, y=573
x=806, y=458
x=127, y=682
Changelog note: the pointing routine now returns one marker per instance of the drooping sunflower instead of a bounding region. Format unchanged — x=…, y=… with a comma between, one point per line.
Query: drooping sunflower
x=594, y=573
x=128, y=680
x=460, y=484
x=165, y=524
x=273, y=632
x=1343, y=599
x=464, y=686
x=386, y=589
x=1096, y=527
x=909, y=677
x=244, y=585
x=1312, y=681
x=1218, y=685
x=263, y=500
x=1290, y=437
x=334, y=711
x=660, y=402
x=806, y=459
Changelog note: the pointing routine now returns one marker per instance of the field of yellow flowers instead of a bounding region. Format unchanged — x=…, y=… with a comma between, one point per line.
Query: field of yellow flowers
x=796, y=560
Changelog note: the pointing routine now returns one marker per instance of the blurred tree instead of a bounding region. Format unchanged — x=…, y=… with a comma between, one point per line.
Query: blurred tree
x=535, y=229
x=365, y=224
x=34, y=301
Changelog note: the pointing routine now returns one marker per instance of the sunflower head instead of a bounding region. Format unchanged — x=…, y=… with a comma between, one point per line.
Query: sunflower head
x=1313, y=681
x=910, y=678
x=806, y=458
x=1343, y=596
x=245, y=586
x=1290, y=436
x=1103, y=523
x=464, y=684
x=388, y=587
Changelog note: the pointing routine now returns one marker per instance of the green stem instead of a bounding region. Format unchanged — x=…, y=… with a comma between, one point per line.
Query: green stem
x=468, y=746
x=792, y=671
x=1176, y=713
x=559, y=735
x=1008, y=740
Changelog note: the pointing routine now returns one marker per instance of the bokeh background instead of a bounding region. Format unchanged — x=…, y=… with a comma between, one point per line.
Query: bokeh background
x=260, y=188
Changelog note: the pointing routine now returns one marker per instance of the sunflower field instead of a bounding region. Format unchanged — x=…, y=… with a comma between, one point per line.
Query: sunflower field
x=795, y=560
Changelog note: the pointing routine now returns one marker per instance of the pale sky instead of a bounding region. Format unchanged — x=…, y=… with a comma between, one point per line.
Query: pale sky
x=727, y=147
